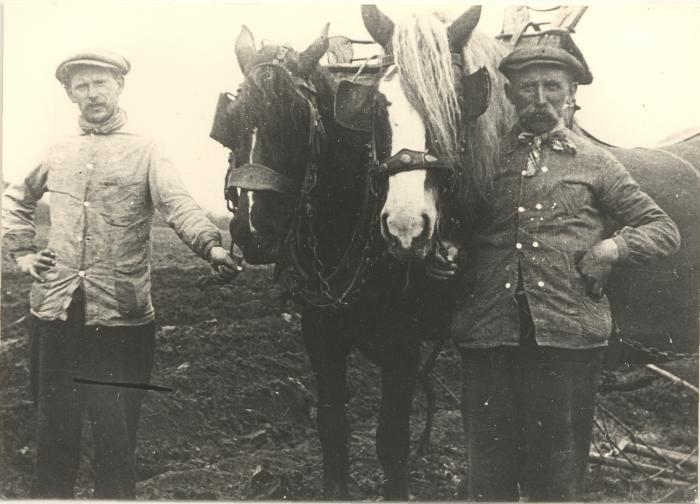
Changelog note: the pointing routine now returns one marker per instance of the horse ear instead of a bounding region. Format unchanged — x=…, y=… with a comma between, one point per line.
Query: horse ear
x=245, y=49
x=310, y=57
x=461, y=28
x=378, y=24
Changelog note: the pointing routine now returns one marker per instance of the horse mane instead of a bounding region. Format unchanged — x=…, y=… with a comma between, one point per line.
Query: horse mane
x=422, y=53
x=485, y=136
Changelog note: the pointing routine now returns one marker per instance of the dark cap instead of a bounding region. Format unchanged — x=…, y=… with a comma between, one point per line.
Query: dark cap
x=100, y=58
x=551, y=47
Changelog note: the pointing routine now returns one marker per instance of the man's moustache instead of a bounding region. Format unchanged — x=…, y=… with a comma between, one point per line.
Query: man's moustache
x=538, y=115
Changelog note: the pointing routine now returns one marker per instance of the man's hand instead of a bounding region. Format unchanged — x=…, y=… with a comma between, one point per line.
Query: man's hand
x=36, y=264
x=442, y=264
x=225, y=266
x=595, y=265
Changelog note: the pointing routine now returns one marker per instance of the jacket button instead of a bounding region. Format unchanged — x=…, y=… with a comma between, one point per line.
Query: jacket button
x=521, y=209
x=535, y=244
x=86, y=203
x=518, y=246
x=507, y=285
x=540, y=284
x=545, y=169
x=538, y=206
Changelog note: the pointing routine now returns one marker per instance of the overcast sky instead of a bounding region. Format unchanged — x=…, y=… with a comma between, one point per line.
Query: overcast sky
x=643, y=58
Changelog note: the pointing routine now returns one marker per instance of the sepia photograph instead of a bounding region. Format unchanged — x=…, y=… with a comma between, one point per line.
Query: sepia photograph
x=350, y=252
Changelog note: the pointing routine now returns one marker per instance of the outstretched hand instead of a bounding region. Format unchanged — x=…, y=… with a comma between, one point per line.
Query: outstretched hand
x=37, y=264
x=226, y=266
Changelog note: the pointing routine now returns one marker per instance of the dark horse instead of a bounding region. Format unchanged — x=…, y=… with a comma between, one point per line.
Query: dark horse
x=300, y=184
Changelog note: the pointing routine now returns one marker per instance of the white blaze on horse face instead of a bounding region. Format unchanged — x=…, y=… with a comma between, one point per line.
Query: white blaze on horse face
x=251, y=202
x=409, y=206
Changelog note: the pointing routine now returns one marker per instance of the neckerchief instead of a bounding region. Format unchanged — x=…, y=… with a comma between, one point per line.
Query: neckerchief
x=115, y=122
x=557, y=139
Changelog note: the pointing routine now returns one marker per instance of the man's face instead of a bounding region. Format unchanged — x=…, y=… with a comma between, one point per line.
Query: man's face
x=540, y=94
x=96, y=92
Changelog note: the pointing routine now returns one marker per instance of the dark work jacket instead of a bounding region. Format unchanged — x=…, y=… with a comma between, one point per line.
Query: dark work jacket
x=538, y=224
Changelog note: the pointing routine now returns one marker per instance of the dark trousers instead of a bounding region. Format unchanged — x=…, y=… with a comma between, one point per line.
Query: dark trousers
x=528, y=418
x=62, y=351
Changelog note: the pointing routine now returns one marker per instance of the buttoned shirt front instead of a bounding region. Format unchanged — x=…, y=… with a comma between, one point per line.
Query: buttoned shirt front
x=537, y=223
x=104, y=189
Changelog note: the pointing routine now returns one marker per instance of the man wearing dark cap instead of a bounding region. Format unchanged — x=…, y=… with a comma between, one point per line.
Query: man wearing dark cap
x=91, y=310
x=533, y=320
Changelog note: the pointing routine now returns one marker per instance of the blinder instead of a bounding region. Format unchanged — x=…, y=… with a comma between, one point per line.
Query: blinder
x=223, y=129
x=477, y=92
x=353, y=106
x=354, y=101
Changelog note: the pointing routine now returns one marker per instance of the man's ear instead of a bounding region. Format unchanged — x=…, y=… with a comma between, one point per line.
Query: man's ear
x=120, y=83
x=573, y=88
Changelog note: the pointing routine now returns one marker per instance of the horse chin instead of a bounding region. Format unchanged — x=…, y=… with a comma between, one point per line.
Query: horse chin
x=259, y=250
x=415, y=253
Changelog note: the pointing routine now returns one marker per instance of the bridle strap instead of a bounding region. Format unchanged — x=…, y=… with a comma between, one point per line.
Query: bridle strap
x=258, y=177
x=409, y=160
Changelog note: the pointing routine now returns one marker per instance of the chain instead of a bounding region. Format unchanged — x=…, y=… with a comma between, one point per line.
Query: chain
x=365, y=262
x=655, y=353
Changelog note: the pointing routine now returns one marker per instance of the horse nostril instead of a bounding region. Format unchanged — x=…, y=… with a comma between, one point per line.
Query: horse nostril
x=384, y=224
x=425, y=233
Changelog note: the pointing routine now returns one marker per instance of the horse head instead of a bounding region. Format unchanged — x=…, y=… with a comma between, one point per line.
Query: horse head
x=279, y=133
x=428, y=138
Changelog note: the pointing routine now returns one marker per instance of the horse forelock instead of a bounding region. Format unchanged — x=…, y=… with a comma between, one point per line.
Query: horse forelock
x=273, y=104
x=422, y=54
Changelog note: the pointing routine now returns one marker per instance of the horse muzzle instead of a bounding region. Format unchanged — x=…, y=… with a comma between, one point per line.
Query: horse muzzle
x=257, y=249
x=407, y=239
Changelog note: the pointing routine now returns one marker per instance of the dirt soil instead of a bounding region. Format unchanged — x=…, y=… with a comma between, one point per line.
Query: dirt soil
x=240, y=422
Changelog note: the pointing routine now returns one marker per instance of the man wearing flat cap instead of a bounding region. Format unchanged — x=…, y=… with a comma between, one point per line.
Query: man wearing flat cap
x=533, y=319
x=91, y=310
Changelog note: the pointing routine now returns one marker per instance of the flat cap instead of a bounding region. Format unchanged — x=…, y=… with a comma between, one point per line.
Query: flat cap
x=553, y=47
x=99, y=58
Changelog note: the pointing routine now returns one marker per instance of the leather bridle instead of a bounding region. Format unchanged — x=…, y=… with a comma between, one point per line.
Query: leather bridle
x=258, y=177
x=299, y=266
